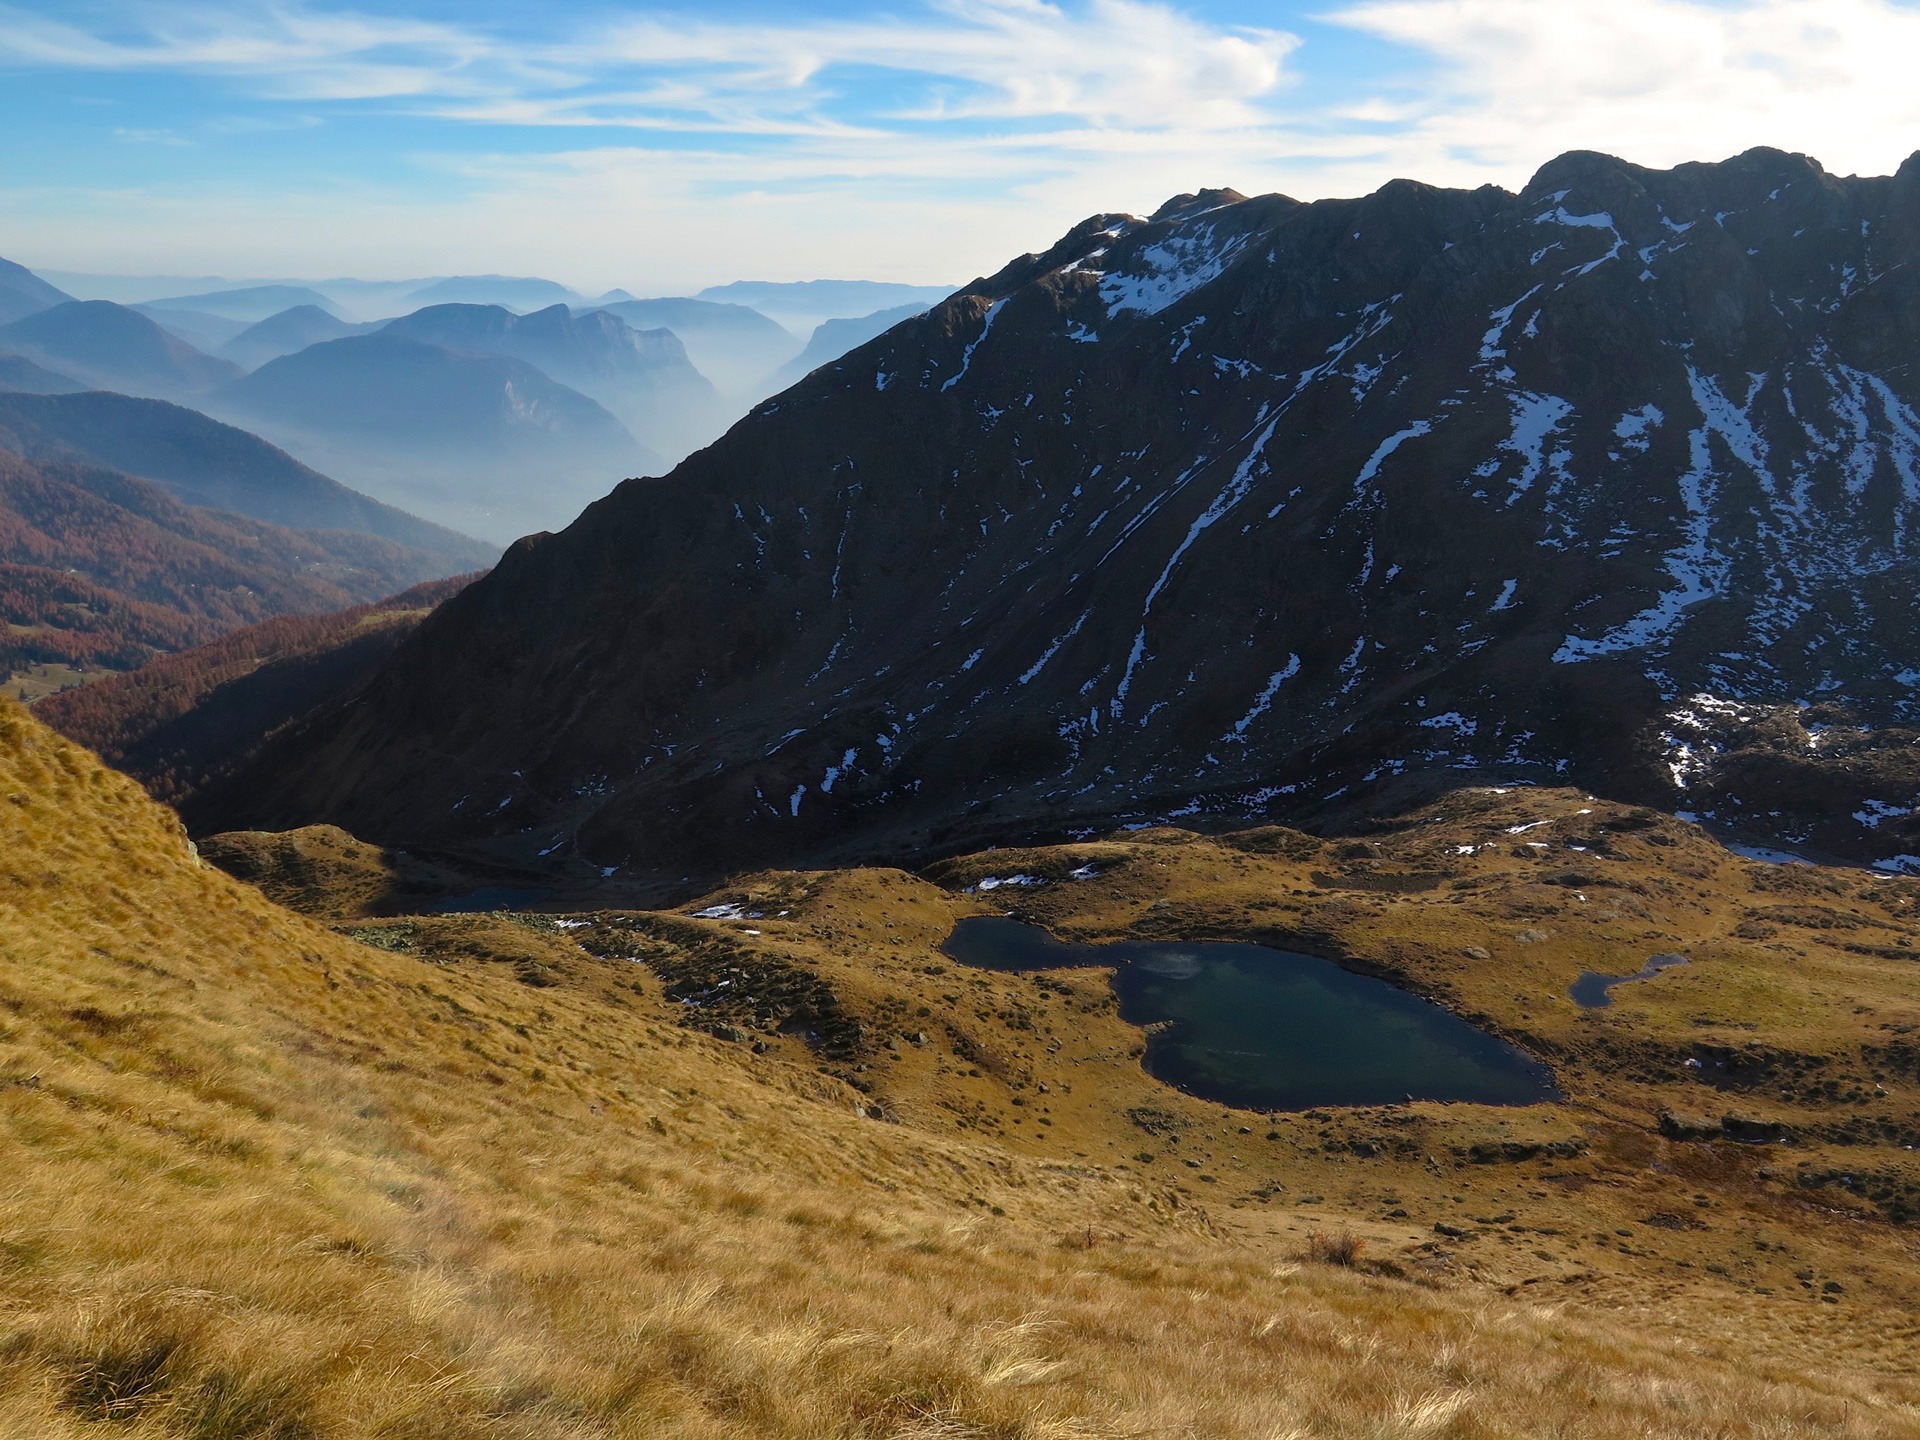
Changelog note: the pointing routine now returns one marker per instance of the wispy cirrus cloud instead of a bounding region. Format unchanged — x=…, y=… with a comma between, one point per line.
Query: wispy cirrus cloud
x=289, y=51
x=939, y=136
x=135, y=136
x=1110, y=62
x=1118, y=63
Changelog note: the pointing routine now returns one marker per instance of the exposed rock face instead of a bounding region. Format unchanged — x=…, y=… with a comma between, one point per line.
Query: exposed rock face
x=1251, y=508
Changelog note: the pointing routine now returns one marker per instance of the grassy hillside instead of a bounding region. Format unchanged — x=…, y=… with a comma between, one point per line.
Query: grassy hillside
x=266, y=1181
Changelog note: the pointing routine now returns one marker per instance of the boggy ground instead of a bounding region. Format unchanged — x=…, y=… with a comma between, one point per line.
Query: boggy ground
x=464, y=1176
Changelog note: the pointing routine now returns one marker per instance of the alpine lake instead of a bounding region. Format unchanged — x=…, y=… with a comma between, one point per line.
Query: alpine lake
x=1264, y=1029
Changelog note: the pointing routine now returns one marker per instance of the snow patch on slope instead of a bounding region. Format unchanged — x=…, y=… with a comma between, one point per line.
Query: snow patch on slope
x=1697, y=572
x=1264, y=700
x=966, y=359
x=1175, y=268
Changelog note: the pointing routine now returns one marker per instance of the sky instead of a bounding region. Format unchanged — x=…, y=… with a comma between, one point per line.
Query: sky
x=663, y=147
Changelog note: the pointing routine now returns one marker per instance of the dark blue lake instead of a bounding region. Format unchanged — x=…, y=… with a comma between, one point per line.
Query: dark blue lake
x=489, y=897
x=1267, y=1029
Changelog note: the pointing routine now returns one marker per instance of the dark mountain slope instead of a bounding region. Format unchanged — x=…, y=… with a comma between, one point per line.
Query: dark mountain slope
x=22, y=293
x=643, y=377
x=103, y=568
x=183, y=718
x=1253, y=507
x=203, y=462
x=484, y=443
x=112, y=347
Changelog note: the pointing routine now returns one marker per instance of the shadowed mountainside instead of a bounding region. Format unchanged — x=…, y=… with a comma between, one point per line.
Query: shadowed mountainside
x=184, y=718
x=833, y=338
x=1253, y=508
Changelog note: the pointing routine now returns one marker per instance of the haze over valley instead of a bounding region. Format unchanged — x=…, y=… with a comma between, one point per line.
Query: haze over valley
x=454, y=389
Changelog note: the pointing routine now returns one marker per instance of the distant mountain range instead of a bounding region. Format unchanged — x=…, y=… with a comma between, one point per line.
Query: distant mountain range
x=131, y=526
x=486, y=444
x=517, y=292
x=286, y=332
x=205, y=463
x=255, y=302
x=110, y=347
x=432, y=427
x=23, y=293
x=735, y=347
x=803, y=304
x=833, y=338
x=642, y=376
x=198, y=328
x=1252, y=508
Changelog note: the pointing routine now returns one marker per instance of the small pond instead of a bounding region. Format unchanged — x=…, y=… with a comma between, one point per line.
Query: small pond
x=1265, y=1029
x=1590, y=991
x=489, y=897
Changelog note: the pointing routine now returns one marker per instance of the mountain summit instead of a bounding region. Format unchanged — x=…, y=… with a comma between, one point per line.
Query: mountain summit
x=1250, y=508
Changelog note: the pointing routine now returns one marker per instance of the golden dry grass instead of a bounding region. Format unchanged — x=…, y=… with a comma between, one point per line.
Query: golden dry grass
x=261, y=1181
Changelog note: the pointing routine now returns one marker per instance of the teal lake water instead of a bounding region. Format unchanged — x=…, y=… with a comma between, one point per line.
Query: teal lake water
x=1267, y=1029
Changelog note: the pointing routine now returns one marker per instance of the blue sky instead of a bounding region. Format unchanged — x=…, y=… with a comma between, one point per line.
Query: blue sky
x=662, y=147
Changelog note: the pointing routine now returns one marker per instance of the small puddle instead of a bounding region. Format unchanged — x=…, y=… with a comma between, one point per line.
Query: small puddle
x=1589, y=992
x=1264, y=1029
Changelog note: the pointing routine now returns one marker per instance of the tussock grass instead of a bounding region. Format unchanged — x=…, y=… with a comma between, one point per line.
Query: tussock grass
x=259, y=1182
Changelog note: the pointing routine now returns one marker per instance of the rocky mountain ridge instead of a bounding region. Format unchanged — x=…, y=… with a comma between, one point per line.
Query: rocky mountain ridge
x=1249, y=508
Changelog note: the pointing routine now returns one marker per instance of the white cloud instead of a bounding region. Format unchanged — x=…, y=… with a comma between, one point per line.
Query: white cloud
x=1659, y=82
